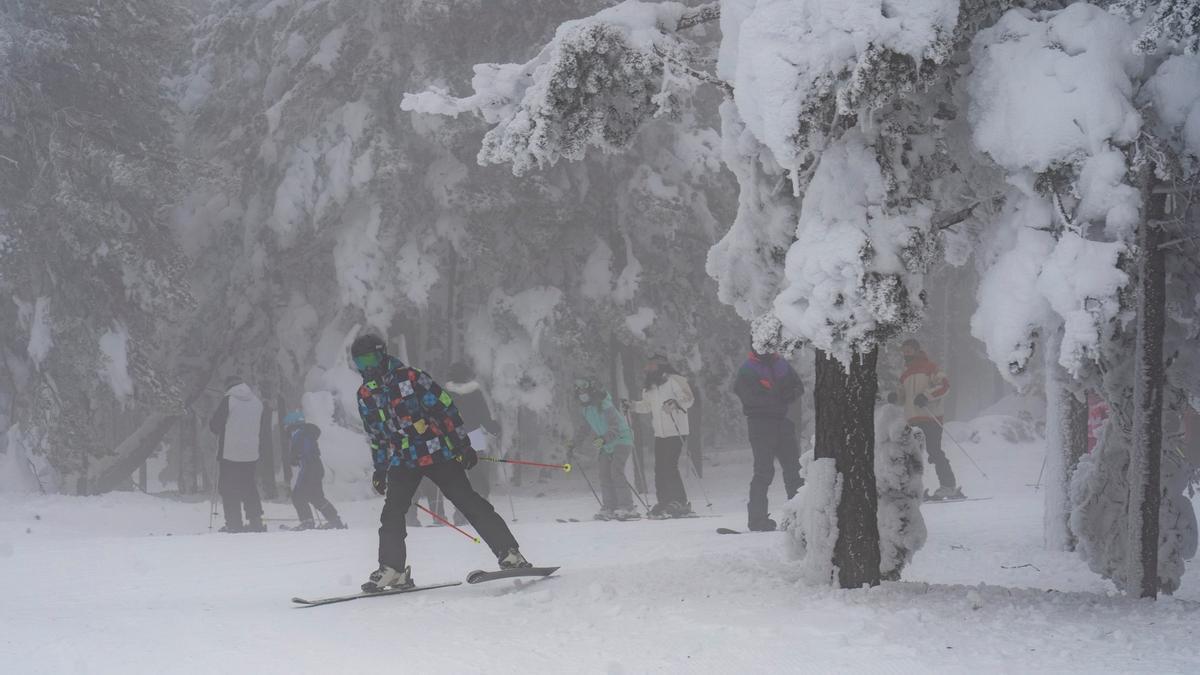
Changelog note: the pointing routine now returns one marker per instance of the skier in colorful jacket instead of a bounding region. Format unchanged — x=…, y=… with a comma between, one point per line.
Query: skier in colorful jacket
x=766, y=384
x=613, y=440
x=415, y=432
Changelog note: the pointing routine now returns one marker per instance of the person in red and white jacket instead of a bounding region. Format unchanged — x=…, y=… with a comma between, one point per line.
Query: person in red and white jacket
x=923, y=389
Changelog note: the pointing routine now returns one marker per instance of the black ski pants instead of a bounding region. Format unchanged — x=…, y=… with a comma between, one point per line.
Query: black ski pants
x=668, y=484
x=308, y=493
x=452, y=479
x=772, y=439
x=238, y=488
x=937, y=456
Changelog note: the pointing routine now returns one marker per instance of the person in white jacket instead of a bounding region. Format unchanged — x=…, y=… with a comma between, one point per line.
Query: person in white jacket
x=666, y=397
x=236, y=423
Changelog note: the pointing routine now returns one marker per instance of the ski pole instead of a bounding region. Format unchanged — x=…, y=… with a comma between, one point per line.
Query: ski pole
x=589, y=483
x=956, y=443
x=639, y=470
x=448, y=523
x=508, y=491
x=1038, y=485
x=634, y=491
x=566, y=468
x=691, y=461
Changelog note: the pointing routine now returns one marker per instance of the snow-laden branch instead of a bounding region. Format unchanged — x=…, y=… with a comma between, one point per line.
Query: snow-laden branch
x=592, y=86
x=699, y=15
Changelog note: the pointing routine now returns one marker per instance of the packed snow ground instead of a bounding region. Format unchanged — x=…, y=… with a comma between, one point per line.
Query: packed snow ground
x=136, y=584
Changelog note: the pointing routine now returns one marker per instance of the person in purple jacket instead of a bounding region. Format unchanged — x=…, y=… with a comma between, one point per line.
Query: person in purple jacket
x=767, y=385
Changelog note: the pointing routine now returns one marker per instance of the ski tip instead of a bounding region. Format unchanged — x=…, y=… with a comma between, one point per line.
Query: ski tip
x=726, y=530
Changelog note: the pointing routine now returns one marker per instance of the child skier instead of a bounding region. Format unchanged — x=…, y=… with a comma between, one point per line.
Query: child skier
x=614, y=441
x=415, y=432
x=308, y=492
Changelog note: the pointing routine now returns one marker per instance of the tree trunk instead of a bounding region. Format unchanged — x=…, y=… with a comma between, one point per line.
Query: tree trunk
x=266, y=451
x=1148, y=378
x=1066, y=441
x=844, y=402
x=285, y=450
x=133, y=451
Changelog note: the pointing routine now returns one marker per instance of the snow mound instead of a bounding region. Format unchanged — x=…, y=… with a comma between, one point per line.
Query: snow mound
x=810, y=520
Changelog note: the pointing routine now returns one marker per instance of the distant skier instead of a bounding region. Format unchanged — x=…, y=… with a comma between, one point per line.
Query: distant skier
x=923, y=387
x=613, y=440
x=308, y=491
x=477, y=419
x=766, y=384
x=416, y=432
x=666, y=397
x=237, y=423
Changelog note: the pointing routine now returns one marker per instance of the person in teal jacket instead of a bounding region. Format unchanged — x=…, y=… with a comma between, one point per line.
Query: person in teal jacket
x=613, y=439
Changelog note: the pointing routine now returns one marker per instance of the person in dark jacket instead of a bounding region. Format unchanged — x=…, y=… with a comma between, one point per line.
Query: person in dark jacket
x=308, y=492
x=237, y=423
x=416, y=432
x=477, y=418
x=767, y=385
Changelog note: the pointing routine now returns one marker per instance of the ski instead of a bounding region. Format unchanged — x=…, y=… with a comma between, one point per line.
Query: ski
x=965, y=499
x=480, y=576
x=568, y=520
x=693, y=515
x=301, y=602
x=726, y=530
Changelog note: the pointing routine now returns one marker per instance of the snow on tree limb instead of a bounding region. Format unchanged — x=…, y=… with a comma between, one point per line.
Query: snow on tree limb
x=592, y=86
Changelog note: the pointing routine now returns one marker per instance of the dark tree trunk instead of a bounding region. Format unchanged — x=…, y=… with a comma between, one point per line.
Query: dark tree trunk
x=266, y=451
x=844, y=403
x=285, y=450
x=1148, y=378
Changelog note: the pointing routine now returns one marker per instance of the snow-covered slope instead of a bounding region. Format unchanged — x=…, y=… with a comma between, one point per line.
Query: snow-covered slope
x=94, y=585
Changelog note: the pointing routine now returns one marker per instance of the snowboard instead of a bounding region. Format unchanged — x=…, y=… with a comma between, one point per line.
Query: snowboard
x=480, y=576
x=301, y=602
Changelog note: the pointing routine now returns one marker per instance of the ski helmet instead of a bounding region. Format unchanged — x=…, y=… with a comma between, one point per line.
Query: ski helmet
x=293, y=417
x=368, y=352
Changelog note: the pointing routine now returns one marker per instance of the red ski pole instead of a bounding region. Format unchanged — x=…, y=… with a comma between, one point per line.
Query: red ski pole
x=566, y=468
x=446, y=522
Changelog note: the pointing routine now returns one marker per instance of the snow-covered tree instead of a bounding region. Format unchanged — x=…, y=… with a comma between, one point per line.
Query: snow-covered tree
x=1065, y=262
x=92, y=277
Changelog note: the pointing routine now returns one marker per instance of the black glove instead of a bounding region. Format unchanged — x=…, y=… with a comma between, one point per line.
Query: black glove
x=921, y=401
x=626, y=406
x=379, y=481
x=469, y=457
x=892, y=398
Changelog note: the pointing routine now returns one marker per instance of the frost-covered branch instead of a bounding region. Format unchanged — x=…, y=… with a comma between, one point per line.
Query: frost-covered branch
x=592, y=86
x=699, y=15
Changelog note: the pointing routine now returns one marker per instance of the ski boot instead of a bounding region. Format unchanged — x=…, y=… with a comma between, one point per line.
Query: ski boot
x=305, y=525
x=945, y=494
x=232, y=528
x=628, y=513
x=255, y=526
x=679, y=510
x=385, y=577
x=658, y=512
x=512, y=559
x=605, y=514
x=763, y=525
x=334, y=524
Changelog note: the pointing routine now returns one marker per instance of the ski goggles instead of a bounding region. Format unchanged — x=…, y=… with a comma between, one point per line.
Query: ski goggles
x=368, y=361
